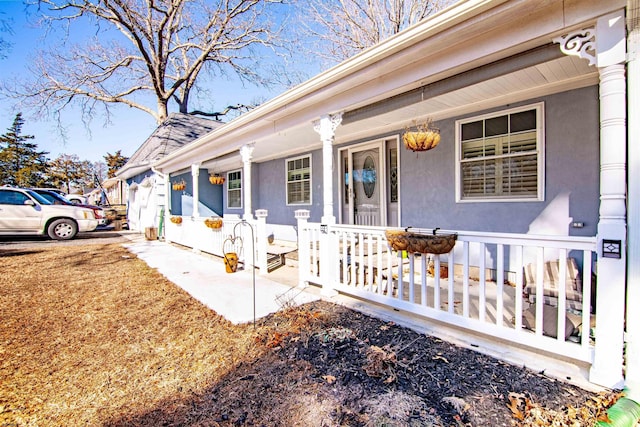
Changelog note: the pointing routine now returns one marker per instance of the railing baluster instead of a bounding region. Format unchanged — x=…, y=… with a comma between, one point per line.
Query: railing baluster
x=519, y=287
x=360, y=266
x=500, y=286
x=562, y=295
x=412, y=276
x=400, y=275
x=465, y=280
x=369, y=274
x=423, y=279
x=451, y=288
x=482, y=292
x=436, y=281
x=539, y=289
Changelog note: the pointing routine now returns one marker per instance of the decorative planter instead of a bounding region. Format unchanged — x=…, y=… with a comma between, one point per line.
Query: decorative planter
x=216, y=179
x=421, y=140
x=421, y=243
x=176, y=219
x=179, y=186
x=214, y=223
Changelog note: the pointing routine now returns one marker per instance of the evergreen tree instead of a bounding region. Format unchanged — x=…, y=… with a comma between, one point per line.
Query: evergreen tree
x=21, y=164
x=114, y=162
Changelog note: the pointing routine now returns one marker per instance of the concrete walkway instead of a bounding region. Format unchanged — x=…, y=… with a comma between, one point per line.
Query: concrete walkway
x=231, y=295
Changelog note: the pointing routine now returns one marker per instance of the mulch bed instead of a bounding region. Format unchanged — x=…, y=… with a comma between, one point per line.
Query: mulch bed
x=110, y=342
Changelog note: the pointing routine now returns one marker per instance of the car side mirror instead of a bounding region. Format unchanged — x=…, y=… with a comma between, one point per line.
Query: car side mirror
x=29, y=202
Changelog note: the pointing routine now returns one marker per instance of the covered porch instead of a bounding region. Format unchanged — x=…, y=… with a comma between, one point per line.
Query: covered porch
x=551, y=62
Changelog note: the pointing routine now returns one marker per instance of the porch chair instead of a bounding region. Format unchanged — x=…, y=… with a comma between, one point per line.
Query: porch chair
x=551, y=282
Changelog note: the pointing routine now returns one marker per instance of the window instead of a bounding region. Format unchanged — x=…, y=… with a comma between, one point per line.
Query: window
x=299, y=181
x=500, y=156
x=234, y=189
x=8, y=197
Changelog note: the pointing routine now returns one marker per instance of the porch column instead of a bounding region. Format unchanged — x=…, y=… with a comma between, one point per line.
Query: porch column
x=246, y=152
x=633, y=221
x=302, y=215
x=326, y=127
x=195, y=173
x=612, y=233
x=604, y=46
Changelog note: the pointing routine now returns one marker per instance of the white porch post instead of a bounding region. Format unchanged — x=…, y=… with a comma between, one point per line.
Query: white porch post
x=605, y=46
x=195, y=173
x=302, y=215
x=246, y=152
x=326, y=127
x=611, y=55
x=261, y=237
x=633, y=212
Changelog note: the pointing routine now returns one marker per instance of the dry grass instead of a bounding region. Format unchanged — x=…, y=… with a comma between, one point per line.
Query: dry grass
x=92, y=333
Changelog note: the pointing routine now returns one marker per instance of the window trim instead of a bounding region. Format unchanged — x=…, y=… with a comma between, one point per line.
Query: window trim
x=228, y=181
x=540, y=151
x=286, y=180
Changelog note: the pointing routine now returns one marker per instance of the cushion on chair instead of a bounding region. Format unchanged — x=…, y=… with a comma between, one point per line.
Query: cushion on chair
x=551, y=280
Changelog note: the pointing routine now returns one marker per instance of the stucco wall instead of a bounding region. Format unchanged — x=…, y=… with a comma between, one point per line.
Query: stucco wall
x=571, y=187
x=271, y=191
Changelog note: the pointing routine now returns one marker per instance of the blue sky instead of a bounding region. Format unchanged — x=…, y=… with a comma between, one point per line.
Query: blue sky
x=129, y=127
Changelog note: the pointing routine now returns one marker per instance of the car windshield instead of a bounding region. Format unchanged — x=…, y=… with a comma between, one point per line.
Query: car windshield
x=38, y=197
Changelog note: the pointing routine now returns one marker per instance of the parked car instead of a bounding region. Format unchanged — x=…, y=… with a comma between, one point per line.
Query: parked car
x=24, y=211
x=56, y=198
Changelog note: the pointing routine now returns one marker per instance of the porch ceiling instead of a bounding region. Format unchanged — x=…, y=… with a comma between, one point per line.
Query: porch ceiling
x=558, y=75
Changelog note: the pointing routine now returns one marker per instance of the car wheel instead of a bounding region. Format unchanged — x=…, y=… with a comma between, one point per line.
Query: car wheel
x=62, y=229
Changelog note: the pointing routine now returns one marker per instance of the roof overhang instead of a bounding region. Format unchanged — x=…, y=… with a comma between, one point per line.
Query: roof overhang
x=131, y=170
x=474, y=55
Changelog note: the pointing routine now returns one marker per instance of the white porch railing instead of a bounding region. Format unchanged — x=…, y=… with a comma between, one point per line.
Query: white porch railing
x=193, y=233
x=482, y=282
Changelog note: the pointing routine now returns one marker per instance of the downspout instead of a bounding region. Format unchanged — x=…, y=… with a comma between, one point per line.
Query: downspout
x=626, y=411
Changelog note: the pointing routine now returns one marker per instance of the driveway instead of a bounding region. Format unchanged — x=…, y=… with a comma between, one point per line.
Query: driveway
x=90, y=238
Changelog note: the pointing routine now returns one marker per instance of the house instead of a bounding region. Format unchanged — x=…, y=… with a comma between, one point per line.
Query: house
x=145, y=187
x=529, y=176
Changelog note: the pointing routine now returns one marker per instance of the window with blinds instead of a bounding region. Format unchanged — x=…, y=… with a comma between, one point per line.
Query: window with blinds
x=500, y=156
x=234, y=189
x=299, y=181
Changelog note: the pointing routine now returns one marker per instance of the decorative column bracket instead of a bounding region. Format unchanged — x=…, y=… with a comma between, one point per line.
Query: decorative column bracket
x=581, y=43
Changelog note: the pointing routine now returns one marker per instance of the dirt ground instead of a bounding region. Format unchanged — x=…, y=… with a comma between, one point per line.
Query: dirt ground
x=93, y=336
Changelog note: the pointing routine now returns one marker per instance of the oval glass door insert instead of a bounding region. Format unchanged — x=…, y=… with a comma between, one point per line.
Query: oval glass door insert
x=369, y=176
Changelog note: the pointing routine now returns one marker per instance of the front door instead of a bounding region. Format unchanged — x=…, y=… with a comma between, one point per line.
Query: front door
x=366, y=185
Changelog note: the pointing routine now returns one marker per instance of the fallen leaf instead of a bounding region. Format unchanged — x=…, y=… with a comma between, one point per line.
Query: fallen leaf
x=330, y=379
x=440, y=358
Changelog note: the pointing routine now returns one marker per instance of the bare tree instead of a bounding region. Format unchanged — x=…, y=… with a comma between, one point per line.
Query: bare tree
x=155, y=55
x=341, y=28
x=6, y=26
x=67, y=170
